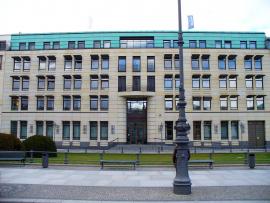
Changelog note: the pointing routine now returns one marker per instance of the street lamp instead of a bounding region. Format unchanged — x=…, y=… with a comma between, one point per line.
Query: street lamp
x=181, y=183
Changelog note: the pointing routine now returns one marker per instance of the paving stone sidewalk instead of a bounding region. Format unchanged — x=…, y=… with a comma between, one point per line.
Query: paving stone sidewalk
x=140, y=185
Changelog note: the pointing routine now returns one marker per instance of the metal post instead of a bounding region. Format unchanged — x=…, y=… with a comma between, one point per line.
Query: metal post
x=182, y=182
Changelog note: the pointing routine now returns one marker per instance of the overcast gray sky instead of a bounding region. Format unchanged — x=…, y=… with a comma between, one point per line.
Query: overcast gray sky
x=30, y=16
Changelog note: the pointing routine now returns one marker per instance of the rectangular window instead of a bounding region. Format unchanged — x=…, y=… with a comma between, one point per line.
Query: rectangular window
x=252, y=44
x=105, y=62
x=250, y=103
x=169, y=130
x=223, y=103
x=196, y=102
x=93, y=102
x=151, y=83
x=224, y=130
x=66, y=103
x=195, y=81
x=166, y=44
x=76, y=103
x=31, y=46
x=46, y=45
x=136, y=64
x=177, y=82
x=93, y=130
x=15, y=83
x=168, y=82
x=233, y=102
x=56, y=45
x=192, y=44
x=50, y=82
x=243, y=44
x=103, y=130
x=3, y=45
x=24, y=103
x=222, y=81
x=77, y=82
x=51, y=63
x=258, y=62
x=197, y=130
x=67, y=82
x=93, y=82
x=71, y=44
x=42, y=63
x=106, y=44
x=49, y=129
x=97, y=44
x=260, y=102
x=94, y=62
x=233, y=81
x=218, y=44
x=22, y=46
x=121, y=64
x=136, y=85
x=205, y=62
x=13, y=128
x=234, y=130
x=195, y=62
x=68, y=62
x=259, y=82
x=150, y=64
x=25, y=83
x=66, y=130
x=248, y=62
x=168, y=61
x=40, y=103
x=227, y=44
x=17, y=63
x=249, y=81
x=175, y=44
x=76, y=130
x=50, y=103
x=202, y=44
x=26, y=63
x=81, y=44
x=23, y=129
x=206, y=81
x=176, y=61
x=169, y=103
x=104, y=102
x=222, y=62
x=207, y=103
x=232, y=62
x=78, y=62
x=14, y=103
x=41, y=83
x=104, y=81
x=207, y=130
x=121, y=83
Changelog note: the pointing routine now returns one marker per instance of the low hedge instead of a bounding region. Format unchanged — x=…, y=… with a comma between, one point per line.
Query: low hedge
x=10, y=143
x=40, y=143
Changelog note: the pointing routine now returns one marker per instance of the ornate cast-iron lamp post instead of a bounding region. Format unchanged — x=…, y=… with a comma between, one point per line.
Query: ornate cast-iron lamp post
x=181, y=183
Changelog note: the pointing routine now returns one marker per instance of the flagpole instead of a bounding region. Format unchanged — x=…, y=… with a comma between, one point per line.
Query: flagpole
x=182, y=182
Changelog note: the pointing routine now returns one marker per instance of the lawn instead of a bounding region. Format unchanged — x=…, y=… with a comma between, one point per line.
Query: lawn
x=154, y=159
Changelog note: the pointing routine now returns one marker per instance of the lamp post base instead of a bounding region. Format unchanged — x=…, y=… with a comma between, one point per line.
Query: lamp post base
x=180, y=188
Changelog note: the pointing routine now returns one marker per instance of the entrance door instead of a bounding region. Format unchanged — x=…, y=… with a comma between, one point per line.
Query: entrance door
x=256, y=133
x=136, y=133
x=136, y=121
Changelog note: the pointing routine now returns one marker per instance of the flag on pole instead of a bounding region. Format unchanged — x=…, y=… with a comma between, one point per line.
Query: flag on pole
x=190, y=22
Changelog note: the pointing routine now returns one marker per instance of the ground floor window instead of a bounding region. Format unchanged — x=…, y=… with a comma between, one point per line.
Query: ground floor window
x=76, y=130
x=196, y=130
x=39, y=127
x=169, y=130
x=207, y=130
x=13, y=127
x=224, y=130
x=234, y=130
x=66, y=130
x=49, y=129
x=103, y=130
x=23, y=129
x=93, y=130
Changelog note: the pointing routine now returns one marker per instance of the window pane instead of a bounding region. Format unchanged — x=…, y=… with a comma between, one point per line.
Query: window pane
x=66, y=130
x=76, y=130
x=136, y=63
x=197, y=130
x=13, y=128
x=103, y=130
x=169, y=130
x=93, y=130
x=207, y=125
x=224, y=130
x=39, y=127
x=234, y=130
x=122, y=64
x=23, y=129
x=49, y=129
